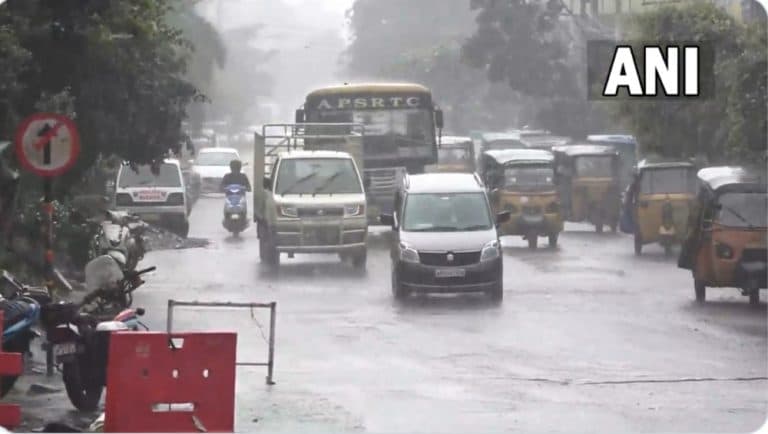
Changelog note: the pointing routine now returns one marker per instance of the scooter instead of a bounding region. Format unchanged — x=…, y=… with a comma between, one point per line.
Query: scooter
x=123, y=232
x=235, y=209
x=80, y=339
x=21, y=306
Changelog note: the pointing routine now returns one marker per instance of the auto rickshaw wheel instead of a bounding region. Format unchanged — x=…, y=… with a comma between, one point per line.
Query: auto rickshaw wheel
x=533, y=240
x=638, y=244
x=553, y=240
x=701, y=291
x=754, y=297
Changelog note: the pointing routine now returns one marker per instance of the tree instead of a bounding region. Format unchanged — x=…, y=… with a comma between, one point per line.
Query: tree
x=118, y=65
x=728, y=126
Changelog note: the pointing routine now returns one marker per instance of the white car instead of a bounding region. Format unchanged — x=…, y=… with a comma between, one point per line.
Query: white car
x=157, y=198
x=212, y=164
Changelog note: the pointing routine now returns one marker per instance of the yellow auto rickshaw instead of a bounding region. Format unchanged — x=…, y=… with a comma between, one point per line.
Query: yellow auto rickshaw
x=522, y=181
x=588, y=180
x=658, y=202
x=454, y=154
x=726, y=244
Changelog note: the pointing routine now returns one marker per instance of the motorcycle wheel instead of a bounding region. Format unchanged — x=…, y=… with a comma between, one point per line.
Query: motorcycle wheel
x=84, y=396
x=6, y=384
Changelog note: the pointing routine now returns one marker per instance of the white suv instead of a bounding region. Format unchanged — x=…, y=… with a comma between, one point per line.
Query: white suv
x=157, y=198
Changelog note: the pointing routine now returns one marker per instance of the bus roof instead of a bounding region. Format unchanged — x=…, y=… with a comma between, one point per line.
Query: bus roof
x=650, y=165
x=507, y=156
x=354, y=89
x=454, y=140
x=612, y=138
x=584, y=150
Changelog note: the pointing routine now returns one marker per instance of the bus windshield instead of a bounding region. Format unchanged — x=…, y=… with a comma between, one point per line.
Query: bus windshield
x=415, y=124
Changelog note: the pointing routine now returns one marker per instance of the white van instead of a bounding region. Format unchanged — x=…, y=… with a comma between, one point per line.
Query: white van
x=158, y=199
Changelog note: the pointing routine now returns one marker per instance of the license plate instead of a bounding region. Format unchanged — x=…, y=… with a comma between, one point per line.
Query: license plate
x=235, y=216
x=450, y=272
x=66, y=349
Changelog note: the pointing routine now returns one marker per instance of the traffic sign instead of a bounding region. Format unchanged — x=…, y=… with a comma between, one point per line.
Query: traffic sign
x=47, y=144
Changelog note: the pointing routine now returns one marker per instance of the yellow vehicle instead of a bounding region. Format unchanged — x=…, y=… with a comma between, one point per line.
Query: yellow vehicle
x=726, y=245
x=454, y=154
x=522, y=181
x=658, y=202
x=588, y=180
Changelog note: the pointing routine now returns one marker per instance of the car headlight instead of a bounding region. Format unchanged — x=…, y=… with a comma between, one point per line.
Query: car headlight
x=491, y=250
x=288, y=211
x=408, y=254
x=354, y=210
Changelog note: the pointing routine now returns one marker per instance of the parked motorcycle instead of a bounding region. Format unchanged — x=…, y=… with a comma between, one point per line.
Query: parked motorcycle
x=235, y=209
x=121, y=235
x=80, y=334
x=21, y=306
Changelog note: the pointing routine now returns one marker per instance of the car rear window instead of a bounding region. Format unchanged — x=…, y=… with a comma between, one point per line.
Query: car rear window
x=167, y=176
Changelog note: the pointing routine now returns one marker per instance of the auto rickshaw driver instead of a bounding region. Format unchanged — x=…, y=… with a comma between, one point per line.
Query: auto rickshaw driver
x=657, y=203
x=522, y=181
x=727, y=243
x=588, y=180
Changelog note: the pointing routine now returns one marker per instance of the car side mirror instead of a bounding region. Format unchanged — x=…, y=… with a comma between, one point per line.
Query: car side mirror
x=439, y=119
x=299, y=116
x=503, y=217
x=387, y=219
x=267, y=183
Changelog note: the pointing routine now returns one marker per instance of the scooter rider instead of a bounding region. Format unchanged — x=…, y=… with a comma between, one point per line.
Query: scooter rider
x=235, y=177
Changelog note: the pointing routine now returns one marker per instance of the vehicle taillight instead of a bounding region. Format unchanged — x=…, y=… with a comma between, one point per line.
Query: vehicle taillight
x=175, y=199
x=123, y=199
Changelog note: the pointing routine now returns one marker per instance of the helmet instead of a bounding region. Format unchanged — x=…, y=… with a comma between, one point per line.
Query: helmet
x=235, y=165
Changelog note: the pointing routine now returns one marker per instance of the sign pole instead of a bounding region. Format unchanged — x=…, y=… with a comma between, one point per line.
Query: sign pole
x=35, y=139
x=48, y=237
x=48, y=257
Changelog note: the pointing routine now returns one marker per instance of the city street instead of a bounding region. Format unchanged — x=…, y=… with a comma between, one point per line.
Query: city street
x=588, y=336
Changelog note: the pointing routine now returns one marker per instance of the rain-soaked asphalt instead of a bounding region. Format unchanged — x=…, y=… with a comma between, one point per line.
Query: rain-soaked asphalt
x=589, y=337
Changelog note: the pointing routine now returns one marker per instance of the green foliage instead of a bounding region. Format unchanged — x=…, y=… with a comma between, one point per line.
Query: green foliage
x=116, y=67
x=729, y=127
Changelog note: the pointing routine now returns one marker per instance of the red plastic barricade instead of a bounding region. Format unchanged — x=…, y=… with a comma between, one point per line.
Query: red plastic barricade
x=182, y=382
x=10, y=364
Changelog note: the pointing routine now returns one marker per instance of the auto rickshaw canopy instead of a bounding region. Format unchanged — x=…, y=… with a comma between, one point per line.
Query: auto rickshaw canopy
x=724, y=179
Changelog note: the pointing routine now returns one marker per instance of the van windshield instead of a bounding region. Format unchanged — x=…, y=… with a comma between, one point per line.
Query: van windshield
x=168, y=176
x=317, y=176
x=446, y=212
x=743, y=210
x=660, y=181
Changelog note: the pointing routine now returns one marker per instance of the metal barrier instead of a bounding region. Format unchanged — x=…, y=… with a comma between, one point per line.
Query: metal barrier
x=270, y=363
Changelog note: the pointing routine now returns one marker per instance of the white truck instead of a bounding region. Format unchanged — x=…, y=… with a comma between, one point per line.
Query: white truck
x=312, y=197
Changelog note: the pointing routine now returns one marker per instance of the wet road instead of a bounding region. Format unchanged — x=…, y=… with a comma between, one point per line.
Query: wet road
x=583, y=336
x=588, y=336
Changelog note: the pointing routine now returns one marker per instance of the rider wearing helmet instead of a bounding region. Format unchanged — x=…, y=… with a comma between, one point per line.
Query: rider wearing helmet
x=235, y=177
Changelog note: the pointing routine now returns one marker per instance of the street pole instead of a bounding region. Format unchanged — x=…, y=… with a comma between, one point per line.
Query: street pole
x=48, y=240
